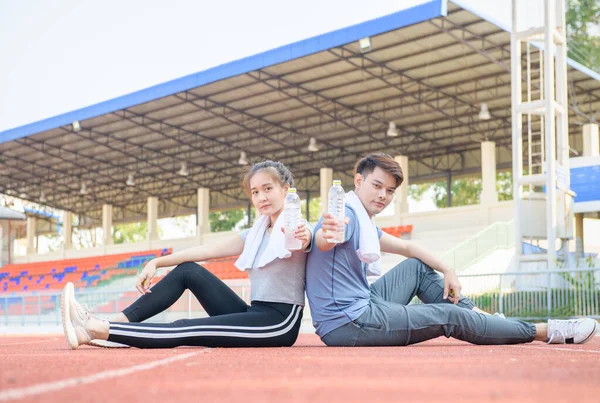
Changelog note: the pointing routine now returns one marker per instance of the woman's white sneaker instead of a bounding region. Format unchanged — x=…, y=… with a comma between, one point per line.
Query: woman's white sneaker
x=576, y=331
x=74, y=319
x=107, y=344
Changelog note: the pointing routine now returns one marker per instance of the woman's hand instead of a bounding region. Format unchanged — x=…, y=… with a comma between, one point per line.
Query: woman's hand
x=144, y=279
x=303, y=234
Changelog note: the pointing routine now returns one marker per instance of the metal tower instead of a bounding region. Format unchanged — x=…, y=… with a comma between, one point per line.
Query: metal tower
x=542, y=195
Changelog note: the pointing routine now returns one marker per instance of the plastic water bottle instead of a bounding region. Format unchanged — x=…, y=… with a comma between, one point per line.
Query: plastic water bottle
x=292, y=217
x=336, y=206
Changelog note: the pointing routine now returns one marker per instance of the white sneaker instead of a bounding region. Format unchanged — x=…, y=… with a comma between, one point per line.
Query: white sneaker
x=107, y=344
x=74, y=319
x=575, y=331
x=500, y=315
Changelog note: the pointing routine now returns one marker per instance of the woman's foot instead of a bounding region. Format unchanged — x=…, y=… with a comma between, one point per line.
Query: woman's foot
x=107, y=344
x=74, y=318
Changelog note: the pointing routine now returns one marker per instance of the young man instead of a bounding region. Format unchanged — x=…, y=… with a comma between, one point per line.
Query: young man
x=346, y=311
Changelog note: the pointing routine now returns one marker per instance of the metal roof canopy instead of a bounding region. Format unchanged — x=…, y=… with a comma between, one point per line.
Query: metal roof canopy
x=9, y=214
x=429, y=70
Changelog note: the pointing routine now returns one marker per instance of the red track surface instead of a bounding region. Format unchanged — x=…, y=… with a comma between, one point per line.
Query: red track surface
x=40, y=368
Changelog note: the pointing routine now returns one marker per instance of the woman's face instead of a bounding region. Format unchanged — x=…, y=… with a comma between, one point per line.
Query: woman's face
x=267, y=194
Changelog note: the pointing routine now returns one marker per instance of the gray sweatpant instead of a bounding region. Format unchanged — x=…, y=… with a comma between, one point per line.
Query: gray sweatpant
x=390, y=321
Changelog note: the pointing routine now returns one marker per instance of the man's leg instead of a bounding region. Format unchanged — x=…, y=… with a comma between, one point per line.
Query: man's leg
x=413, y=278
x=388, y=323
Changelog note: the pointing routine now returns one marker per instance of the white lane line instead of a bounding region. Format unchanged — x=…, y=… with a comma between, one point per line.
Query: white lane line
x=19, y=393
x=30, y=342
x=572, y=350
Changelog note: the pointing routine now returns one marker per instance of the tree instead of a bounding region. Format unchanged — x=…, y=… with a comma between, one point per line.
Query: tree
x=465, y=191
x=226, y=220
x=583, y=32
x=235, y=219
x=130, y=232
x=504, y=185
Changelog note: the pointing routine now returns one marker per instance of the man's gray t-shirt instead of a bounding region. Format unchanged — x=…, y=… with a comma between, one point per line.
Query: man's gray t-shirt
x=336, y=280
x=282, y=280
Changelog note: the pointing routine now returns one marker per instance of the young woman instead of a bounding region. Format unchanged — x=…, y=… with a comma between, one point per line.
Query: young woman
x=277, y=278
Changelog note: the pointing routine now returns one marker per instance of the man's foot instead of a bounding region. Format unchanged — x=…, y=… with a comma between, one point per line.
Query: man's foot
x=575, y=331
x=107, y=344
x=500, y=315
x=74, y=319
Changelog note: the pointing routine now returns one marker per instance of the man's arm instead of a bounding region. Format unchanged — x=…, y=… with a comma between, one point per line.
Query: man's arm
x=322, y=243
x=391, y=244
x=328, y=227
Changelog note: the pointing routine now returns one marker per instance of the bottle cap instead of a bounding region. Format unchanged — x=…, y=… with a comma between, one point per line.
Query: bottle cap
x=337, y=182
x=292, y=190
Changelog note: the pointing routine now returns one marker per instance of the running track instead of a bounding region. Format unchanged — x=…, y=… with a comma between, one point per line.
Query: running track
x=40, y=368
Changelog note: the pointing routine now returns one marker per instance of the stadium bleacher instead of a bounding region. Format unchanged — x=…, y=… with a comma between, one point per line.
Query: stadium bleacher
x=52, y=275
x=399, y=230
x=93, y=271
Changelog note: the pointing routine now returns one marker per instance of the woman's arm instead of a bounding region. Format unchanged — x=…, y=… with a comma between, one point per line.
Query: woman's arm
x=230, y=247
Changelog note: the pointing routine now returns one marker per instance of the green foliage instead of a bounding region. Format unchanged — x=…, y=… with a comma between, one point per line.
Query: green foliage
x=130, y=232
x=504, y=185
x=583, y=32
x=533, y=304
x=227, y=220
x=315, y=209
x=465, y=191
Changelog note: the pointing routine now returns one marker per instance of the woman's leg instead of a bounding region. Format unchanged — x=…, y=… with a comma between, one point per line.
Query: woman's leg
x=265, y=324
x=214, y=295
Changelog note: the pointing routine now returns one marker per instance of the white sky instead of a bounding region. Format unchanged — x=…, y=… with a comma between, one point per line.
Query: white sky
x=63, y=55
x=59, y=56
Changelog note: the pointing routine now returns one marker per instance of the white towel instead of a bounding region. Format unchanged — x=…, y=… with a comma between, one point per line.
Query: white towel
x=369, y=250
x=275, y=248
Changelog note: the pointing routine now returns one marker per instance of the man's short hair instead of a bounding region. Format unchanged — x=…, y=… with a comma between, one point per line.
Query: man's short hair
x=366, y=165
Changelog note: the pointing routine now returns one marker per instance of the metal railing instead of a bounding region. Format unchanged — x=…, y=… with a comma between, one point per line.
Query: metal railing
x=532, y=295
x=499, y=235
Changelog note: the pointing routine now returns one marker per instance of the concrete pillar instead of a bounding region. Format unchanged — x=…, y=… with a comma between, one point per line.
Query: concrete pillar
x=591, y=142
x=203, y=208
x=449, y=189
x=67, y=230
x=152, y=218
x=579, y=247
x=31, y=249
x=489, y=195
x=591, y=148
x=326, y=176
x=107, y=216
x=401, y=199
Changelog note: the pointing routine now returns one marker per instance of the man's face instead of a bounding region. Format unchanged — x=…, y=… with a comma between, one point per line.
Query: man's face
x=376, y=190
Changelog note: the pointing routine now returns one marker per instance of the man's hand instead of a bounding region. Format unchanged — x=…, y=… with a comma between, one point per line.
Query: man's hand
x=330, y=226
x=144, y=280
x=452, y=287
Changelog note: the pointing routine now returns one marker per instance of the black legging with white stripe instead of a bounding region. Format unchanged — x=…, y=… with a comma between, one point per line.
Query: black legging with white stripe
x=232, y=323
